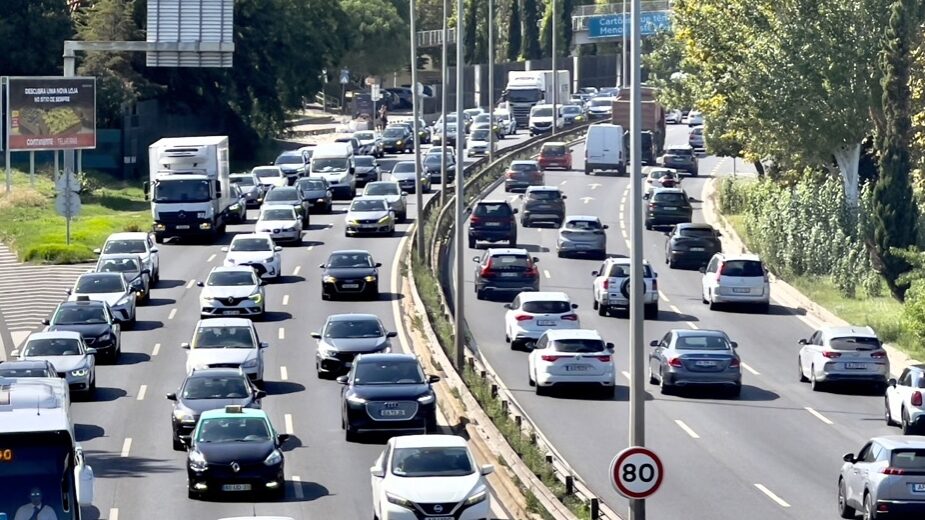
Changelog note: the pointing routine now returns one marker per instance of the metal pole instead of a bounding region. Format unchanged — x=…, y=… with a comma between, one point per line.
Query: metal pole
x=6, y=145
x=623, y=70
x=57, y=168
x=444, y=75
x=32, y=168
x=458, y=315
x=555, y=74
x=415, y=107
x=637, y=433
x=67, y=205
x=70, y=64
x=491, y=79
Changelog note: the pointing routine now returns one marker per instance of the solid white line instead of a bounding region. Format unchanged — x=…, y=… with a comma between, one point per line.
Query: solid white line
x=772, y=496
x=625, y=236
x=282, y=333
x=283, y=374
x=190, y=284
x=211, y=258
x=623, y=226
x=297, y=487
x=818, y=415
x=546, y=273
x=113, y=514
x=692, y=325
x=157, y=348
x=296, y=270
x=126, y=446
x=141, y=392
x=288, y=420
x=754, y=372
x=285, y=299
x=625, y=374
x=173, y=312
x=397, y=288
x=687, y=429
x=622, y=207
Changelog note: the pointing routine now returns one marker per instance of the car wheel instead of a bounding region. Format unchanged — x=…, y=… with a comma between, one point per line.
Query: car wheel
x=513, y=241
x=192, y=494
x=844, y=510
x=713, y=304
x=803, y=378
x=764, y=308
x=649, y=226
x=869, y=512
x=886, y=412
x=663, y=387
x=540, y=390
x=651, y=312
x=479, y=295
x=652, y=379
x=905, y=425
x=671, y=263
x=177, y=445
x=530, y=380
x=814, y=383
x=602, y=310
x=595, y=305
x=350, y=435
x=471, y=243
x=735, y=391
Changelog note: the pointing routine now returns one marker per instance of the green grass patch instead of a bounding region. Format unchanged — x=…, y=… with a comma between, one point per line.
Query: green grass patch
x=32, y=228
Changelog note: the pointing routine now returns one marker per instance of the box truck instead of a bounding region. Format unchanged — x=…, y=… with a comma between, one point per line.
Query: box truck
x=653, y=115
x=528, y=88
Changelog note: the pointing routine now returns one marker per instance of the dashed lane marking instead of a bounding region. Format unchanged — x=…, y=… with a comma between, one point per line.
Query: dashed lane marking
x=212, y=257
x=309, y=248
x=675, y=309
x=282, y=333
x=295, y=272
x=288, y=421
x=687, y=429
x=113, y=514
x=663, y=296
x=285, y=299
x=625, y=374
x=562, y=183
x=546, y=273
x=772, y=496
x=126, y=446
x=818, y=415
x=173, y=312
x=283, y=374
x=190, y=284
x=297, y=487
x=142, y=390
x=156, y=349
x=692, y=325
x=748, y=367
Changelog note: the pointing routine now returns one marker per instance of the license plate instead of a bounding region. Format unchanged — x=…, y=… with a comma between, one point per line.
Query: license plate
x=705, y=363
x=545, y=323
x=236, y=487
x=918, y=487
x=351, y=286
x=577, y=368
x=697, y=249
x=509, y=275
x=182, y=226
x=855, y=366
x=232, y=313
x=741, y=290
x=438, y=518
x=670, y=208
x=492, y=224
x=393, y=413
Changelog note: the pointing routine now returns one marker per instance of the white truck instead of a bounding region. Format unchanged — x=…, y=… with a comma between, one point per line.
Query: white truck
x=189, y=187
x=527, y=88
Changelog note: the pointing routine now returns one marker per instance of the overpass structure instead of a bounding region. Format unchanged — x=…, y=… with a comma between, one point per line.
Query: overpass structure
x=607, y=22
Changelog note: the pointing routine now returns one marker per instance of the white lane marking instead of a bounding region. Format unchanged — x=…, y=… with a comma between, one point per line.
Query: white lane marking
x=625, y=374
x=562, y=183
x=190, y=284
x=675, y=309
x=141, y=392
x=157, y=348
x=211, y=258
x=173, y=312
x=282, y=333
x=587, y=199
x=663, y=296
x=748, y=367
x=687, y=429
x=546, y=273
x=397, y=289
x=818, y=415
x=297, y=487
x=288, y=420
x=595, y=185
x=692, y=325
x=295, y=271
x=309, y=248
x=283, y=374
x=113, y=514
x=623, y=225
x=285, y=299
x=514, y=197
x=772, y=496
x=126, y=446
x=625, y=236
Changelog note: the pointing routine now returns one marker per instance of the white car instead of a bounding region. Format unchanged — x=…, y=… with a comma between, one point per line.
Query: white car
x=904, y=400
x=110, y=288
x=506, y=121
x=429, y=476
x=571, y=356
x=137, y=243
x=654, y=179
x=477, y=143
x=280, y=222
x=533, y=313
x=66, y=351
x=673, y=117
x=735, y=279
x=226, y=343
x=843, y=354
x=694, y=118
x=256, y=250
x=611, y=287
x=232, y=291
x=271, y=176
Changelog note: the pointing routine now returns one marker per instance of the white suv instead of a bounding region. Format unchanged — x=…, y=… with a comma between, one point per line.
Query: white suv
x=904, y=400
x=843, y=354
x=611, y=287
x=226, y=343
x=533, y=313
x=579, y=356
x=735, y=279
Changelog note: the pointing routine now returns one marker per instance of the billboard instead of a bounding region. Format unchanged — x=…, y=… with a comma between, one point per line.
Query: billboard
x=51, y=113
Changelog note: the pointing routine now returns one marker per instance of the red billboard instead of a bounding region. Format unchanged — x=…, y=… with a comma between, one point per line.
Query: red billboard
x=51, y=113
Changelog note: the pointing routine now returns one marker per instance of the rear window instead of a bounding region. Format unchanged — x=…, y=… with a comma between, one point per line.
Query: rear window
x=908, y=459
x=553, y=151
x=524, y=167
x=683, y=152
x=579, y=346
x=510, y=262
x=745, y=268
x=548, y=307
x=854, y=343
x=493, y=210
x=583, y=224
x=697, y=233
x=670, y=198
x=620, y=271
x=545, y=195
x=701, y=343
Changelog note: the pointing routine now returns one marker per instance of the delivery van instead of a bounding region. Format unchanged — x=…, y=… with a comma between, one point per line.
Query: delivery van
x=605, y=149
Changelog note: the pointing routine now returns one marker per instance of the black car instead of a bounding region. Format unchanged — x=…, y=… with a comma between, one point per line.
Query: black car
x=344, y=336
x=492, y=221
x=28, y=368
x=350, y=273
x=680, y=158
x=508, y=270
x=648, y=147
x=132, y=270
x=543, y=204
x=387, y=392
x=692, y=244
x=365, y=169
x=405, y=96
x=431, y=164
x=94, y=322
x=208, y=389
x=289, y=196
x=397, y=139
x=667, y=207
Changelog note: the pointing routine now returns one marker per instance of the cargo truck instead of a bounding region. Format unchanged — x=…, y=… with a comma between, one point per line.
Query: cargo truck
x=189, y=187
x=653, y=115
x=528, y=88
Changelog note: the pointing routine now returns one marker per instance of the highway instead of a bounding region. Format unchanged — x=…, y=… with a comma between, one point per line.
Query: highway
x=773, y=453
x=126, y=431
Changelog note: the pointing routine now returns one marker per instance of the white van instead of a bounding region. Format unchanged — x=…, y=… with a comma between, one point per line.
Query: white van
x=334, y=163
x=605, y=149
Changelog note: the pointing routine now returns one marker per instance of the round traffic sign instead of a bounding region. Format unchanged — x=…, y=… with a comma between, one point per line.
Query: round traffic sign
x=636, y=472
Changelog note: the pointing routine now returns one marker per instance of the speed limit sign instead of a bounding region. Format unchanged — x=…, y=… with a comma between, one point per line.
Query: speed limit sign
x=636, y=472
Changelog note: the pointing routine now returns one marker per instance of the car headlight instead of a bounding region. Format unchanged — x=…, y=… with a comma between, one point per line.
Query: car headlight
x=256, y=298
x=250, y=363
x=370, y=278
x=104, y=337
x=201, y=214
x=427, y=399
x=183, y=416
x=235, y=207
x=274, y=458
x=269, y=259
x=398, y=143
x=197, y=461
x=329, y=279
x=354, y=399
x=476, y=498
x=385, y=219
x=80, y=372
x=353, y=222
x=399, y=501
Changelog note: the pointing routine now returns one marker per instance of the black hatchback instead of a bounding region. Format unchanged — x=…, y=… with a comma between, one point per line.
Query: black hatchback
x=691, y=244
x=350, y=273
x=543, y=204
x=397, y=139
x=492, y=221
x=95, y=323
x=668, y=206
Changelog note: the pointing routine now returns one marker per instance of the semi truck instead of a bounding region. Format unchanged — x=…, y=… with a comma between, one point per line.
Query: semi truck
x=189, y=187
x=528, y=88
x=653, y=115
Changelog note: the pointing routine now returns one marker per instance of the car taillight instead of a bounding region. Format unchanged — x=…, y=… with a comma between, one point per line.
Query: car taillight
x=654, y=284
x=606, y=284
x=889, y=470
x=916, y=398
x=651, y=205
x=474, y=220
x=487, y=269
x=675, y=362
x=831, y=355
x=533, y=271
x=603, y=359
x=570, y=317
x=878, y=354
x=509, y=174
x=547, y=357
x=735, y=363
x=523, y=317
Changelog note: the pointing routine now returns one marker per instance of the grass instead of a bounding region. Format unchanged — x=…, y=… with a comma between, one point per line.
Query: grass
x=32, y=228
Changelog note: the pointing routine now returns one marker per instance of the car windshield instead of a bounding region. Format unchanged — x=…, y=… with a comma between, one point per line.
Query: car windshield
x=545, y=195
x=487, y=209
x=908, y=459
x=393, y=132
x=264, y=173
x=311, y=184
x=368, y=205
x=278, y=214
x=434, y=159
x=451, y=128
x=443, y=461
x=854, y=343
x=96, y=284
x=747, y=268
x=368, y=162
x=547, y=307
x=231, y=279
x=243, y=181
x=578, y=346
x=223, y=337
x=113, y=247
x=620, y=270
x=251, y=244
x=403, y=167
x=583, y=225
x=553, y=151
x=358, y=328
x=364, y=136
x=52, y=347
x=480, y=134
x=282, y=194
x=510, y=262
x=542, y=112
x=601, y=102
x=79, y=315
x=295, y=158
x=202, y=387
x=571, y=109
x=382, y=189
x=244, y=429
x=119, y=265
x=8, y=371
x=696, y=233
x=705, y=342
x=524, y=96
x=329, y=165
x=682, y=152
x=482, y=118
x=388, y=373
x=181, y=190
x=670, y=198
x=350, y=260
x=525, y=167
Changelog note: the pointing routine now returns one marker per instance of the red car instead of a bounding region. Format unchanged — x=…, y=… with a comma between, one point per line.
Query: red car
x=555, y=155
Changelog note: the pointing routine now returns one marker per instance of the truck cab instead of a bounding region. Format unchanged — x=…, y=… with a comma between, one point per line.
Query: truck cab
x=527, y=88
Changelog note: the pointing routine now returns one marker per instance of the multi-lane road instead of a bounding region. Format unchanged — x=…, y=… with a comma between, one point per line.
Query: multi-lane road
x=125, y=431
x=773, y=453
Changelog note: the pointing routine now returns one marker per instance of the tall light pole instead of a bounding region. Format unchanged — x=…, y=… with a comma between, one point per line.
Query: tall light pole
x=491, y=79
x=624, y=72
x=637, y=433
x=555, y=74
x=458, y=316
x=415, y=107
x=444, y=74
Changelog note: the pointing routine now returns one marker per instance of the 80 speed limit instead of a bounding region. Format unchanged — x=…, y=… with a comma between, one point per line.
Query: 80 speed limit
x=636, y=472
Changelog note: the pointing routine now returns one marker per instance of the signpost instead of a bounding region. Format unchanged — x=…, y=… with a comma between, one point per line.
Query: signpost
x=616, y=25
x=67, y=201
x=344, y=79
x=636, y=473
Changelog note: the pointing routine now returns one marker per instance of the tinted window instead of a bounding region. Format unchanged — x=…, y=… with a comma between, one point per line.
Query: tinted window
x=701, y=343
x=431, y=462
x=480, y=135
x=267, y=172
x=911, y=459
x=223, y=337
x=364, y=161
x=687, y=152
x=311, y=184
x=510, y=262
x=52, y=347
x=549, y=307
x=388, y=373
x=251, y=244
x=578, y=346
x=696, y=233
x=545, y=195
x=619, y=271
x=79, y=315
x=326, y=165
x=282, y=194
x=854, y=343
x=368, y=205
x=589, y=225
x=670, y=198
x=571, y=110
x=25, y=372
x=601, y=102
x=364, y=136
x=277, y=214
x=215, y=388
x=295, y=158
x=119, y=265
x=382, y=189
x=243, y=181
x=231, y=278
x=115, y=247
x=742, y=268
x=393, y=132
x=247, y=429
x=350, y=260
x=89, y=284
x=525, y=167
x=553, y=151
x=542, y=112
x=403, y=167
x=353, y=329
x=492, y=210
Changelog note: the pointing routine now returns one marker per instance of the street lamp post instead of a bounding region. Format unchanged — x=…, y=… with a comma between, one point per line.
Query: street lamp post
x=491, y=80
x=555, y=74
x=623, y=50
x=458, y=316
x=415, y=107
x=444, y=69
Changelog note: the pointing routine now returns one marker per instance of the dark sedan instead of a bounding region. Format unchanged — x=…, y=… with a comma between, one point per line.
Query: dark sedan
x=432, y=162
x=366, y=169
x=132, y=270
x=685, y=357
x=387, y=392
x=680, y=158
x=289, y=196
x=94, y=322
x=397, y=139
x=345, y=336
x=350, y=273
x=316, y=192
x=692, y=244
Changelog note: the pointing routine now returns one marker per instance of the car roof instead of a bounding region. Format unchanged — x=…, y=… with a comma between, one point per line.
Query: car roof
x=84, y=303
x=555, y=143
x=100, y=274
x=355, y=157
x=507, y=251
x=570, y=218
x=383, y=198
x=296, y=153
x=26, y=363
x=252, y=235
x=222, y=414
x=215, y=372
x=430, y=440
x=493, y=201
x=388, y=356
x=225, y=322
x=699, y=332
x=55, y=334
x=746, y=257
x=533, y=296
x=531, y=163
x=242, y=174
x=120, y=256
x=839, y=331
x=679, y=147
x=667, y=190
x=623, y=260
x=352, y=317
x=232, y=269
x=693, y=225
x=557, y=334
x=128, y=235
x=543, y=188
x=277, y=206
x=382, y=182
x=892, y=442
x=351, y=252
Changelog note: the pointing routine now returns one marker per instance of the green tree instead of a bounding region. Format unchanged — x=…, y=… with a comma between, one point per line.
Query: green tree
x=514, y=27
x=530, y=43
x=471, y=32
x=894, y=208
x=32, y=34
x=379, y=37
x=563, y=28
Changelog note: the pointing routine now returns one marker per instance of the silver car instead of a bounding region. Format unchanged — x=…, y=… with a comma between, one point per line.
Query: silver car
x=346, y=335
x=110, y=288
x=131, y=268
x=846, y=354
x=67, y=352
x=280, y=222
x=250, y=186
x=404, y=173
x=317, y=193
x=582, y=234
x=369, y=215
x=391, y=191
x=232, y=291
x=885, y=479
x=685, y=357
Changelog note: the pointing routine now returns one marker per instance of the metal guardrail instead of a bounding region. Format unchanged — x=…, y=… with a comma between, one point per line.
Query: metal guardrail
x=435, y=38
x=581, y=13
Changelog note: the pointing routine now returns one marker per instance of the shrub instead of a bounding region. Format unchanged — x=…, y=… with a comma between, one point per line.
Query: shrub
x=58, y=253
x=914, y=310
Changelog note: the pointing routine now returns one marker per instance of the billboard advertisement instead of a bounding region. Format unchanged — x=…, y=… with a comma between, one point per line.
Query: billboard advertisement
x=51, y=113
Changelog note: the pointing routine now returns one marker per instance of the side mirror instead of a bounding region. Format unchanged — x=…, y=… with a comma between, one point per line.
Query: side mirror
x=692, y=199
x=260, y=394
x=261, y=282
x=97, y=251
x=14, y=353
x=516, y=211
x=154, y=250
x=487, y=469
x=172, y=396
x=718, y=234
x=574, y=305
x=646, y=196
x=735, y=344
x=277, y=248
x=605, y=226
x=184, y=346
x=224, y=249
x=46, y=322
x=377, y=472
x=378, y=264
x=433, y=379
x=536, y=260
x=703, y=270
x=282, y=438
x=849, y=457
x=653, y=343
x=341, y=379
x=595, y=273
x=67, y=292
x=508, y=306
x=84, y=484
x=476, y=259
x=891, y=382
x=316, y=335
x=200, y=284
x=321, y=266
x=146, y=271
x=803, y=341
x=264, y=344
x=611, y=347
x=564, y=197
x=391, y=334
x=91, y=350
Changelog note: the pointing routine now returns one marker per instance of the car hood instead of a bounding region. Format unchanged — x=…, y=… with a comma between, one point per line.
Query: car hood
x=393, y=139
x=64, y=363
x=314, y=194
x=89, y=330
x=110, y=298
x=349, y=272
x=433, y=489
x=240, y=257
x=478, y=143
x=541, y=119
x=275, y=224
x=197, y=406
x=364, y=169
x=600, y=109
x=365, y=215
x=208, y=356
x=240, y=452
x=226, y=291
x=274, y=181
x=403, y=176
x=291, y=167
x=355, y=344
x=405, y=391
x=366, y=142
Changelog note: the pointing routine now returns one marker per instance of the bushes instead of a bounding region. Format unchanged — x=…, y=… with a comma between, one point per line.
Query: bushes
x=58, y=254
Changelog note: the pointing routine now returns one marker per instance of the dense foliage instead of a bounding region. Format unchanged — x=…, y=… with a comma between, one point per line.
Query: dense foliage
x=32, y=33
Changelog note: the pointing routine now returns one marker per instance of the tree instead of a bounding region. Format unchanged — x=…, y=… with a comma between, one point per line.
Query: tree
x=32, y=34
x=514, y=39
x=471, y=31
x=563, y=27
x=379, y=37
x=530, y=43
x=895, y=214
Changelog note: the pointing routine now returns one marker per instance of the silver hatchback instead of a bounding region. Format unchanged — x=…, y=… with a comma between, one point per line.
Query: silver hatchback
x=885, y=479
x=582, y=235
